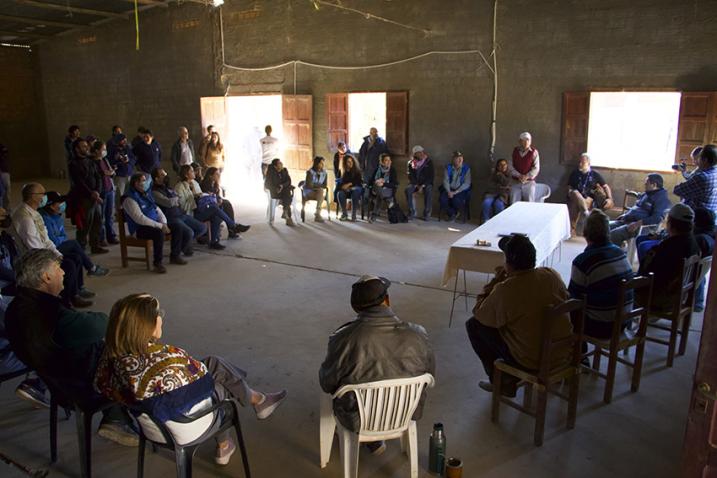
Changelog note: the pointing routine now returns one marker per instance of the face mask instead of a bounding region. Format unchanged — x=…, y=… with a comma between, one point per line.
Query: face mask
x=63, y=206
x=147, y=185
x=43, y=201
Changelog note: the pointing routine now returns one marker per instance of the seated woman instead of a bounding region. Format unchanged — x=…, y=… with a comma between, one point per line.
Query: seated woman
x=586, y=189
x=315, y=186
x=382, y=186
x=183, y=226
x=351, y=187
x=54, y=219
x=211, y=184
x=456, y=187
x=278, y=183
x=498, y=197
x=202, y=205
x=138, y=371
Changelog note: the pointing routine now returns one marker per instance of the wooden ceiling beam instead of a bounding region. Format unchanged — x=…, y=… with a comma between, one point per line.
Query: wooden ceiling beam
x=37, y=21
x=24, y=34
x=67, y=8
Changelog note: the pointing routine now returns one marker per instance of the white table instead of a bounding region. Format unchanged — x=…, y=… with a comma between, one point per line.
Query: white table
x=547, y=225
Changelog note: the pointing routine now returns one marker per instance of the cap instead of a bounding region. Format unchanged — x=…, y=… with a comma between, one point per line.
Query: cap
x=119, y=137
x=457, y=153
x=682, y=212
x=417, y=149
x=519, y=251
x=53, y=197
x=656, y=179
x=525, y=135
x=368, y=291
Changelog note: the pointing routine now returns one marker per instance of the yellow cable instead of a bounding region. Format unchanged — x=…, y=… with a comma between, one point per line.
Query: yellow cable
x=136, y=25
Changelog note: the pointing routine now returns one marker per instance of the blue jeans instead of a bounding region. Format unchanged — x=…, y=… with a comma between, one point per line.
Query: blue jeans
x=492, y=205
x=215, y=215
x=108, y=208
x=182, y=234
x=455, y=204
x=427, y=199
x=354, y=194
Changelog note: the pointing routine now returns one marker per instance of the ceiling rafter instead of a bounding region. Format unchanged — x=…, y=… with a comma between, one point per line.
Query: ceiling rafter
x=39, y=21
x=67, y=8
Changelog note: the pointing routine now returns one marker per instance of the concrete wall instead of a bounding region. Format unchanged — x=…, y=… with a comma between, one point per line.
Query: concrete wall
x=545, y=48
x=22, y=122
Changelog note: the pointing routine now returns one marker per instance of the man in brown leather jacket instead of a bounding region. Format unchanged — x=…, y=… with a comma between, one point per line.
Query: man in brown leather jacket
x=377, y=345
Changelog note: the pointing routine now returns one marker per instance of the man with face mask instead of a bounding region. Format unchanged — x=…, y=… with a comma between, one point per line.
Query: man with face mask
x=586, y=190
x=85, y=197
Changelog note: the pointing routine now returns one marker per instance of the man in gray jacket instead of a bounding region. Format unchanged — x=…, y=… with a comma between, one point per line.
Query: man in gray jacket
x=377, y=345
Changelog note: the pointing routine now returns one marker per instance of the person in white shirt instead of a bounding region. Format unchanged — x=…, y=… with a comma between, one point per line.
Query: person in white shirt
x=29, y=231
x=182, y=150
x=269, y=149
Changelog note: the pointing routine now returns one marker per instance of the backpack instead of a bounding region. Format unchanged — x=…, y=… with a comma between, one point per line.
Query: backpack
x=396, y=215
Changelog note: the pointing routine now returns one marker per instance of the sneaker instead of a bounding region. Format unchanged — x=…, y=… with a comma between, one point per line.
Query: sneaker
x=99, y=250
x=177, y=260
x=376, y=448
x=79, y=302
x=120, y=433
x=344, y=217
x=217, y=246
x=290, y=221
x=241, y=228
x=103, y=244
x=27, y=392
x=98, y=271
x=269, y=403
x=318, y=219
x=86, y=293
x=508, y=390
x=234, y=235
x=160, y=269
x=224, y=454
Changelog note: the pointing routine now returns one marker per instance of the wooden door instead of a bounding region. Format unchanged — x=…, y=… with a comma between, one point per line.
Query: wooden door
x=574, y=137
x=698, y=123
x=397, y=122
x=699, y=451
x=214, y=112
x=337, y=107
x=298, y=139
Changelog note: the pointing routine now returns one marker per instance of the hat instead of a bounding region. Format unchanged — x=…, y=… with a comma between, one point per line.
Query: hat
x=682, y=212
x=53, y=197
x=457, y=153
x=519, y=251
x=417, y=149
x=368, y=291
x=525, y=135
x=118, y=137
x=656, y=179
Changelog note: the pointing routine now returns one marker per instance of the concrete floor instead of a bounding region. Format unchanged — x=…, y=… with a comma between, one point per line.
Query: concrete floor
x=270, y=300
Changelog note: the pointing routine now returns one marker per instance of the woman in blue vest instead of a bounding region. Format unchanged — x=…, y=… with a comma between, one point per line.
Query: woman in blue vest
x=456, y=187
x=145, y=220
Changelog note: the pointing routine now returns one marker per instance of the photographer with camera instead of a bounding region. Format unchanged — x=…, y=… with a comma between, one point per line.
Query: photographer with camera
x=122, y=161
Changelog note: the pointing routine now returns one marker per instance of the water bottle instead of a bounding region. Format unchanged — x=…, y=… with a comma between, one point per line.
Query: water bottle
x=437, y=450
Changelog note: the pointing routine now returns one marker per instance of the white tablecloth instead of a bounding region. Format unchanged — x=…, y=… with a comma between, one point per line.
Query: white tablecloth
x=546, y=224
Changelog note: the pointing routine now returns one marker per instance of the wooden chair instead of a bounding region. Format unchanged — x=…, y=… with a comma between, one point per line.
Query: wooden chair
x=304, y=201
x=127, y=240
x=681, y=313
x=628, y=200
x=541, y=381
x=618, y=341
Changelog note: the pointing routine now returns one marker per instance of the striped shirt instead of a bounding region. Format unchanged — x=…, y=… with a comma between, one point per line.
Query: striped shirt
x=700, y=189
x=596, y=274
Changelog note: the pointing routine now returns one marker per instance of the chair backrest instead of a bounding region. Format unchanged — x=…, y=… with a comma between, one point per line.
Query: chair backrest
x=174, y=432
x=629, y=199
x=685, y=297
x=387, y=405
x=623, y=314
x=552, y=314
x=542, y=192
x=704, y=268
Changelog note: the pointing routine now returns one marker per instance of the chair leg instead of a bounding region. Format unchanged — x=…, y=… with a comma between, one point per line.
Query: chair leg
x=53, y=429
x=596, y=358
x=685, y=331
x=303, y=211
x=123, y=254
x=637, y=366
x=242, y=448
x=610, y=379
x=413, y=448
x=527, y=396
x=495, y=404
x=147, y=255
x=672, y=345
x=184, y=462
x=140, y=457
x=540, y=408
x=327, y=427
x=349, y=453
x=573, y=399
x=84, y=439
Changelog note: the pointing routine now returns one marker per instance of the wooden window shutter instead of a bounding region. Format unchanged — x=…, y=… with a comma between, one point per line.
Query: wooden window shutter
x=574, y=137
x=337, y=107
x=298, y=139
x=214, y=112
x=698, y=123
x=397, y=122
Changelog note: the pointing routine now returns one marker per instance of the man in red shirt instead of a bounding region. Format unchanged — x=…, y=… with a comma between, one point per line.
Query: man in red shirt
x=526, y=166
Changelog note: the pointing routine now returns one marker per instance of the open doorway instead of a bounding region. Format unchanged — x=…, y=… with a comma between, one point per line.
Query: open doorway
x=366, y=111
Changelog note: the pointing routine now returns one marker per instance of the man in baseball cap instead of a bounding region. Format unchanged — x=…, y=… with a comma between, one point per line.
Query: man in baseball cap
x=377, y=345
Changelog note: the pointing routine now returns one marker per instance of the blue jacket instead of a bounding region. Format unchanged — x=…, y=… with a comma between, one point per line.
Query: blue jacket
x=55, y=224
x=146, y=205
x=149, y=156
x=650, y=208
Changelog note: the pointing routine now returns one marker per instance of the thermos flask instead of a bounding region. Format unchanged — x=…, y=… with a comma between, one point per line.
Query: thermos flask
x=437, y=450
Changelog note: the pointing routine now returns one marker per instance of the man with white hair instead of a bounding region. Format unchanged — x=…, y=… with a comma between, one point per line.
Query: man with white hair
x=526, y=166
x=182, y=150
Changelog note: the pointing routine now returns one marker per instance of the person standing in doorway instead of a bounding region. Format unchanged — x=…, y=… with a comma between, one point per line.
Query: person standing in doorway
x=371, y=150
x=269, y=149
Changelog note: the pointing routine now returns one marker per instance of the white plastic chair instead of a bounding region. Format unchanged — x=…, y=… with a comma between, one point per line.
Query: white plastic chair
x=385, y=408
x=631, y=246
x=271, y=209
x=542, y=192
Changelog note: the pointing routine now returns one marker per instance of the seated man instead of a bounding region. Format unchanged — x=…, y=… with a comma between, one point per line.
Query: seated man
x=586, y=190
x=315, y=186
x=665, y=260
x=61, y=344
x=596, y=275
x=29, y=231
x=506, y=322
x=382, y=186
x=53, y=216
x=278, y=183
x=146, y=221
x=700, y=189
x=650, y=209
x=456, y=187
x=377, y=345
x=526, y=166
x=420, y=179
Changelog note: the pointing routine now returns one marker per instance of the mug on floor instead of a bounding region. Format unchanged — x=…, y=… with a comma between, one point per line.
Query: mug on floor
x=454, y=468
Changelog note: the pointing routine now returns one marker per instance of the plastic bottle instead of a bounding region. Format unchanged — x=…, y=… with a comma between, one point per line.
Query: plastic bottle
x=437, y=450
